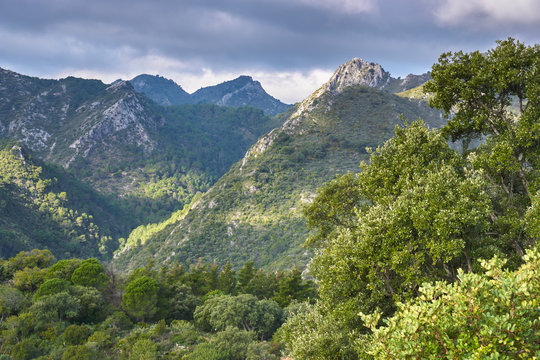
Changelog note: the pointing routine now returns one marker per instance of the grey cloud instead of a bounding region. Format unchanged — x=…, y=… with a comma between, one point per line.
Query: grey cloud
x=233, y=35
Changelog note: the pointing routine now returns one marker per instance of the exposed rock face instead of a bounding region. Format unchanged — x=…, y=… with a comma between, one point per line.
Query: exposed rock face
x=62, y=119
x=412, y=81
x=358, y=72
x=127, y=114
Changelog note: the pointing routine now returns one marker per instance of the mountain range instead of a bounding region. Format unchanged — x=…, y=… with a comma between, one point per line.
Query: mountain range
x=254, y=212
x=233, y=178
x=242, y=91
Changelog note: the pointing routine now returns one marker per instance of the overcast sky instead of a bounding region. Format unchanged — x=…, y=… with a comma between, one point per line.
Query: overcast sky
x=290, y=46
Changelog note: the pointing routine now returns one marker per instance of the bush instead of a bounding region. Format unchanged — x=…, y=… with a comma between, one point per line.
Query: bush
x=76, y=334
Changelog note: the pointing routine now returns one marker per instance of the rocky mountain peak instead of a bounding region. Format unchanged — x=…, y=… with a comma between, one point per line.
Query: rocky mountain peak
x=358, y=72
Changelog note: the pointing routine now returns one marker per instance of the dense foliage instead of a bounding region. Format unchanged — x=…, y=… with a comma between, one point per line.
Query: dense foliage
x=41, y=205
x=494, y=314
x=421, y=212
x=80, y=309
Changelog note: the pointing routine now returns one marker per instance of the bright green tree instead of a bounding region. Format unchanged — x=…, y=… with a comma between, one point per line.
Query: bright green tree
x=31, y=259
x=50, y=287
x=63, y=269
x=90, y=273
x=419, y=215
x=491, y=315
x=143, y=349
x=141, y=297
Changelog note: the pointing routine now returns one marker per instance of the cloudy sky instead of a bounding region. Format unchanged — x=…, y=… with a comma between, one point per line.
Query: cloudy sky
x=290, y=46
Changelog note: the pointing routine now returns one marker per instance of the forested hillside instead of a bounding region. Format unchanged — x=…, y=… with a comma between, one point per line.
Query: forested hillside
x=142, y=159
x=254, y=212
x=42, y=206
x=79, y=309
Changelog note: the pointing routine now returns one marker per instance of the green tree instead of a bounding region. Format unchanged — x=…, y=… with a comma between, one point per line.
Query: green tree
x=234, y=342
x=206, y=351
x=245, y=274
x=50, y=287
x=420, y=215
x=143, y=349
x=90, y=273
x=31, y=259
x=243, y=312
x=141, y=297
x=63, y=269
x=227, y=280
x=76, y=334
x=56, y=307
x=293, y=287
x=177, y=302
x=25, y=350
x=496, y=95
x=93, y=306
x=77, y=352
x=29, y=279
x=12, y=301
x=491, y=315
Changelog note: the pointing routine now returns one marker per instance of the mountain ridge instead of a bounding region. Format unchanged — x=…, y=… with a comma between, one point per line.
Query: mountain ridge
x=242, y=91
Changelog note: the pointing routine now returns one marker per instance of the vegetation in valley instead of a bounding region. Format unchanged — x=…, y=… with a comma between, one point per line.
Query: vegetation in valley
x=426, y=251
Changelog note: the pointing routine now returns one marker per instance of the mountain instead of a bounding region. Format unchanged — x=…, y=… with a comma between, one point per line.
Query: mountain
x=359, y=72
x=242, y=91
x=163, y=91
x=151, y=159
x=254, y=212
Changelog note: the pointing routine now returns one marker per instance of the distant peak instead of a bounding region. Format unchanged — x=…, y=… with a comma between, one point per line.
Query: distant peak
x=358, y=72
x=245, y=78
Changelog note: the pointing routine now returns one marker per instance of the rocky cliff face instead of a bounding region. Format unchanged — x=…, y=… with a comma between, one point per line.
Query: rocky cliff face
x=127, y=115
x=61, y=120
x=358, y=72
x=242, y=91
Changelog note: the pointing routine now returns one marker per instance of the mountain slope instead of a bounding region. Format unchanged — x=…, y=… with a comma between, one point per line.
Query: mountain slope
x=253, y=213
x=152, y=159
x=242, y=91
x=44, y=207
